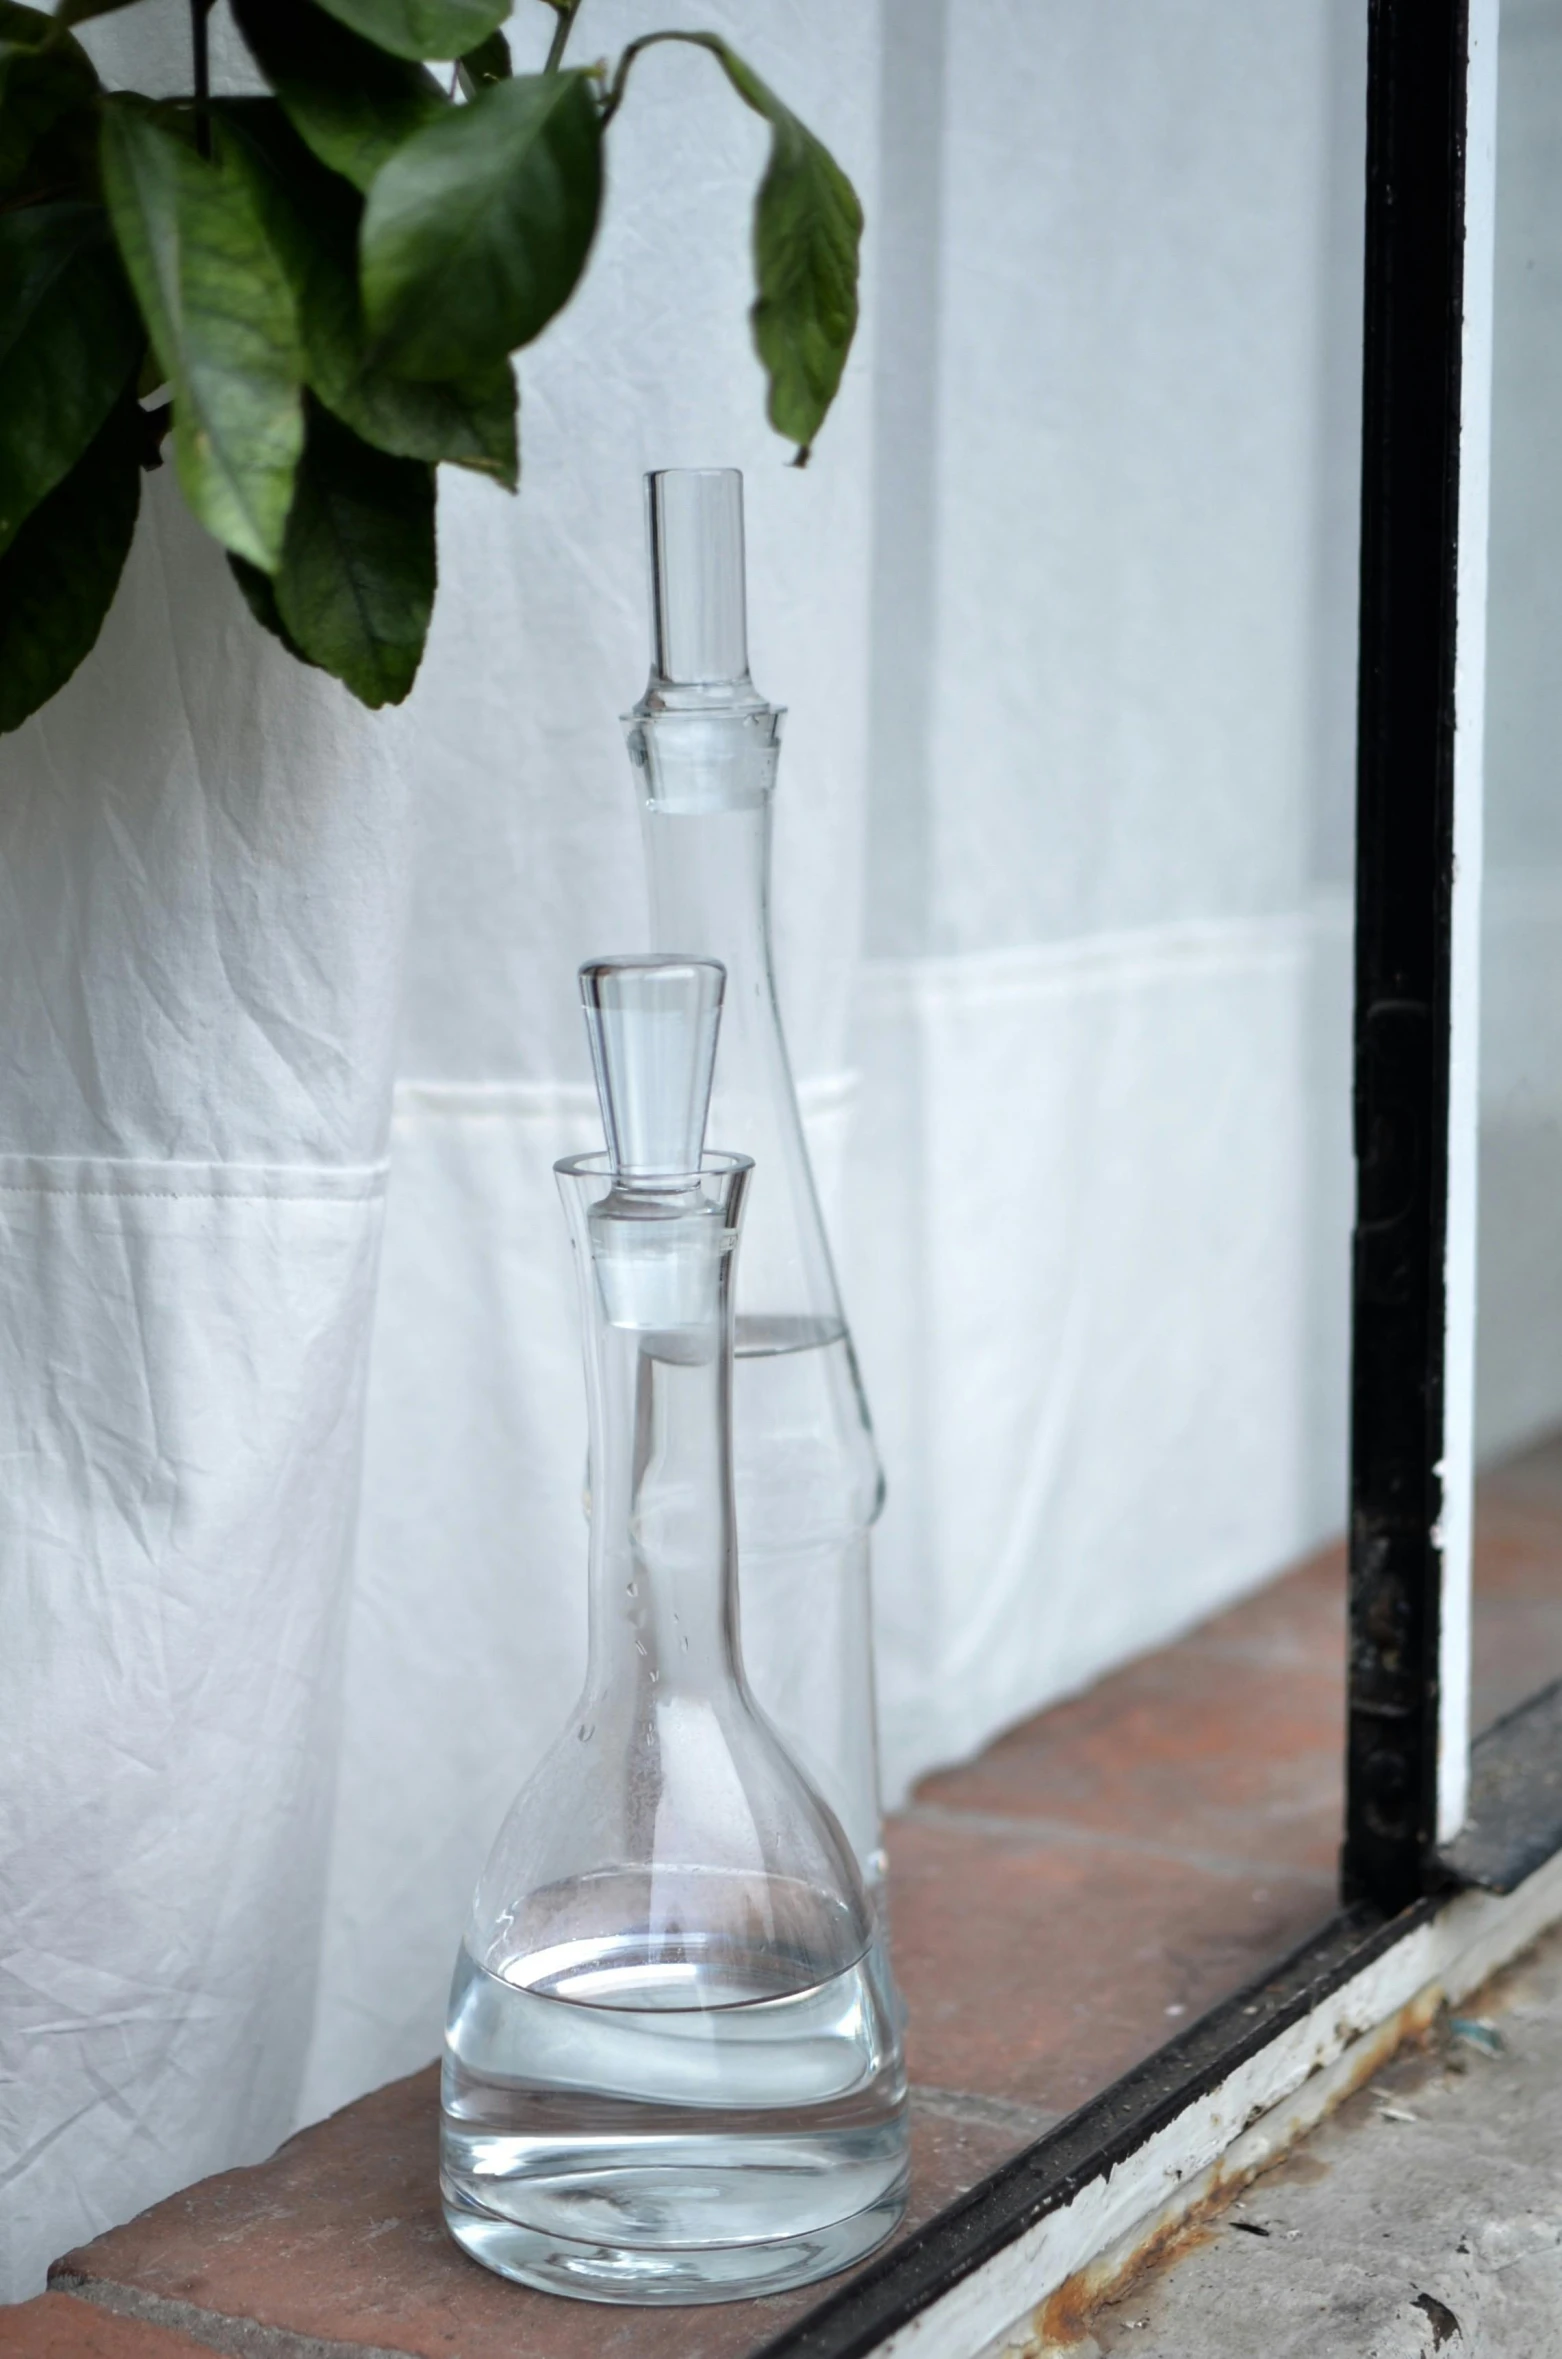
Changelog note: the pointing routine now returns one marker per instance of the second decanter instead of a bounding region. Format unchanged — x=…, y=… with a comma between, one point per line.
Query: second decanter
x=672, y=2067
x=704, y=744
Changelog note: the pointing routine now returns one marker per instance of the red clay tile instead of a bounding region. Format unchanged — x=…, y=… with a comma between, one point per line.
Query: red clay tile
x=1229, y=1743
x=339, y=2236
x=1037, y=1971
x=57, y=2326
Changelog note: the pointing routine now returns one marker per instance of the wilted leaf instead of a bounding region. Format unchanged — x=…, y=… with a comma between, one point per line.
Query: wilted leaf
x=478, y=229
x=69, y=339
x=58, y=578
x=355, y=588
x=352, y=103
x=422, y=28
x=807, y=232
x=312, y=219
x=44, y=75
x=221, y=317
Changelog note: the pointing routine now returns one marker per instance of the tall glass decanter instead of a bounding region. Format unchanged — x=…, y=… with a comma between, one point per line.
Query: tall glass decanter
x=704, y=746
x=672, y=2064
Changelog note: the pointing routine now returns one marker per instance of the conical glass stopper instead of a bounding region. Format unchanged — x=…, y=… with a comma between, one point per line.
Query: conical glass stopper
x=672, y=2066
x=652, y=1026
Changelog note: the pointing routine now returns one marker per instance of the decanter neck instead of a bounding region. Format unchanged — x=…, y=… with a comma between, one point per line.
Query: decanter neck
x=656, y=1302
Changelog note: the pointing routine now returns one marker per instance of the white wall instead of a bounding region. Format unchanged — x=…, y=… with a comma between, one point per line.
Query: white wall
x=1519, y=1334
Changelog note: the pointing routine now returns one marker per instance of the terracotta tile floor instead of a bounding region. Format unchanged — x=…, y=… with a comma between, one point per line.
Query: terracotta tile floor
x=1095, y=1879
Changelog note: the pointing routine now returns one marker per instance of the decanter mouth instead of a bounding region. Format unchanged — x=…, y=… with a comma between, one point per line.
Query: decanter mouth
x=714, y=1164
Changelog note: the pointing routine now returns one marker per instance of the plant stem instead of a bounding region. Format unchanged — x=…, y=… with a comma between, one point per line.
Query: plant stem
x=200, y=45
x=568, y=10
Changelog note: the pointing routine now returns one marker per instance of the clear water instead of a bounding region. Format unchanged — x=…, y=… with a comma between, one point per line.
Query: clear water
x=681, y=2129
x=807, y=1483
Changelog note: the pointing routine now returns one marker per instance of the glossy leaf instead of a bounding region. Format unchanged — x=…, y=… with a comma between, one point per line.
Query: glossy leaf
x=45, y=75
x=422, y=28
x=478, y=229
x=488, y=62
x=58, y=578
x=221, y=317
x=69, y=339
x=312, y=219
x=355, y=588
x=352, y=103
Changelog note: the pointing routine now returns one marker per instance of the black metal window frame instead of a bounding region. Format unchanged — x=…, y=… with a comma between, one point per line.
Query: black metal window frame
x=1394, y=1876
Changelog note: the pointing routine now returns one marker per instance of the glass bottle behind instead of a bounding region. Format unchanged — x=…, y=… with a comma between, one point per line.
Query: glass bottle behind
x=704, y=746
x=672, y=2067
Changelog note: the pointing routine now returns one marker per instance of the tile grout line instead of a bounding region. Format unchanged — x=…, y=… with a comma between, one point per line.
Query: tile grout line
x=953, y=1820
x=234, y=2338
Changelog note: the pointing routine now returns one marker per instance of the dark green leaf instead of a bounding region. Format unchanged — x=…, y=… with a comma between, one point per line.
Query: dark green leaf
x=807, y=233
x=312, y=219
x=58, y=578
x=44, y=75
x=488, y=62
x=355, y=588
x=260, y=596
x=220, y=313
x=352, y=103
x=478, y=229
x=422, y=28
x=69, y=338
x=76, y=12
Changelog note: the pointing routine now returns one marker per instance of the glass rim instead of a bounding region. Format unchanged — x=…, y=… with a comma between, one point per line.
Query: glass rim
x=715, y=1163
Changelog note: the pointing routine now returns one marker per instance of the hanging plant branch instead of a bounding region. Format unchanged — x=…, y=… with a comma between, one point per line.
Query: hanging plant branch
x=317, y=296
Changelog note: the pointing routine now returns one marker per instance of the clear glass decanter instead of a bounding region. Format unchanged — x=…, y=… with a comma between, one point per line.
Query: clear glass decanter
x=704, y=746
x=672, y=2064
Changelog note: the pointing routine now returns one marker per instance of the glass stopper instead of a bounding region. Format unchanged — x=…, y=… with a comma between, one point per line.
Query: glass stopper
x=699, y=627
x=652, y=1022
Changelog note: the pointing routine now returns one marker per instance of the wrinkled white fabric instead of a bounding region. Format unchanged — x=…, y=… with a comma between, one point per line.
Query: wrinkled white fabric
x=202, y=889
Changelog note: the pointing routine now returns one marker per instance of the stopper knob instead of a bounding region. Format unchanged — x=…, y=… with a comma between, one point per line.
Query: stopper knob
x=652, y=1025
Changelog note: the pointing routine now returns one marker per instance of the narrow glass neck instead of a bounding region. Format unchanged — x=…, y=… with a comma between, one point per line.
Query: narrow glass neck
x=656, y=1302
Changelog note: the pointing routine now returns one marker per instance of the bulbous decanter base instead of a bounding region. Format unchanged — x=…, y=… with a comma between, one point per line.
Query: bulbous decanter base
x=681, y=2129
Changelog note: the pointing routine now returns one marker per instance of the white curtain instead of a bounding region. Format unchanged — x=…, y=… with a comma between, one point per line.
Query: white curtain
x=1062, y=611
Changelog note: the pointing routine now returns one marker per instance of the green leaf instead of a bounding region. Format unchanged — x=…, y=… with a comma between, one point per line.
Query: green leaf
x=44, y=76
x=352, y=103
x=422, y=28
x=69, y=339
x=355, y=588
x=260, y=596
x=220, y=314
x=478, y=229
x=488, y=62
x=58, y=578
x=312, y=219
x=76, y=12
x=807, y=235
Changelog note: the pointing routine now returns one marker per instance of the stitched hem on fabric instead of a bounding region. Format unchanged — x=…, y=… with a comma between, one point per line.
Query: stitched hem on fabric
x=85, y=1176
x=533, y=1101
